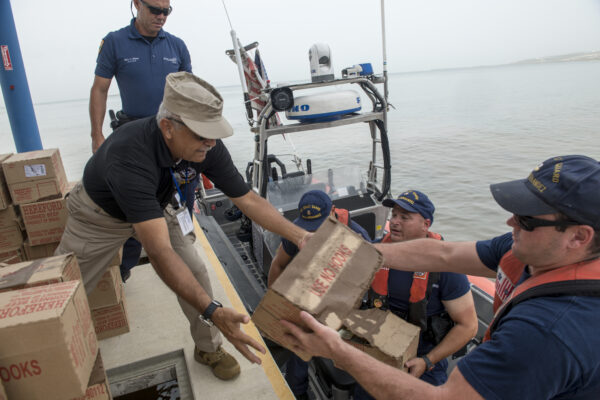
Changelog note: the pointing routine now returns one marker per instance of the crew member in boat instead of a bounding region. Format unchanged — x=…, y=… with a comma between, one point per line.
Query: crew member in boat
x=125, y=55
x=543, y=342
x=128, y=188
x=440, y=303
x=314, y=208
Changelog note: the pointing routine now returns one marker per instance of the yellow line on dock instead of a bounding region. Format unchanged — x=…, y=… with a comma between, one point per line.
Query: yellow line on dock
x=268, y=364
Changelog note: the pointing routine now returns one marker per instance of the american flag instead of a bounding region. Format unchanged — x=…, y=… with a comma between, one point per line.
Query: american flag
x=256, y=77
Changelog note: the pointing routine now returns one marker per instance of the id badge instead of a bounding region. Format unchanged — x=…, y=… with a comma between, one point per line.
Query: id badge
x=185, y=221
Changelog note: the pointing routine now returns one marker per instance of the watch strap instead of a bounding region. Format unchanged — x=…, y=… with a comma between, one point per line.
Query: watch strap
x=209, y=311
x=428, y=363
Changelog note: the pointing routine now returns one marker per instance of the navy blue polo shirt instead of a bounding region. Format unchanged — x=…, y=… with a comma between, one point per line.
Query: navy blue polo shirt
x=141, y=67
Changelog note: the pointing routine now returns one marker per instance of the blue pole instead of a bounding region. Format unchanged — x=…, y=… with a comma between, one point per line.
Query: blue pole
x=15, y=89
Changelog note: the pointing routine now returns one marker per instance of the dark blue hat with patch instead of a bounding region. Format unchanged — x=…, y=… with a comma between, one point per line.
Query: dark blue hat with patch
x=566, y=184
x=413, y=201
x=314, y=207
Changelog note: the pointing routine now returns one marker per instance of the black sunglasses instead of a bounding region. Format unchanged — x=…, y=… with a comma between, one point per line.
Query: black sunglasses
x=530, y=223
x=183, y=123
x=157, y=10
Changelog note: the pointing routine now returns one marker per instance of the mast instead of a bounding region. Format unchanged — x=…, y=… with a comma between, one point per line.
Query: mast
x=15, y=89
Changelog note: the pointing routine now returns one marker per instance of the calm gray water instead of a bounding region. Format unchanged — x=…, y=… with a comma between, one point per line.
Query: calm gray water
x=452, y=133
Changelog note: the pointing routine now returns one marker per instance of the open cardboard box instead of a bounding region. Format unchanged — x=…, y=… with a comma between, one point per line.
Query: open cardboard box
x=328, y=278
x=39, y=272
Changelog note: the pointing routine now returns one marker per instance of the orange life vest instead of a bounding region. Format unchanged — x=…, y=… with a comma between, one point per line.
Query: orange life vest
x=582, y=279
x=341, y=214
x=206, y=182
x=421, y=281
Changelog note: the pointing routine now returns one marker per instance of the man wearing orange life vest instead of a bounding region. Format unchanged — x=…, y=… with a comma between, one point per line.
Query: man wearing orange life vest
x=544, y=341
x=440, y=303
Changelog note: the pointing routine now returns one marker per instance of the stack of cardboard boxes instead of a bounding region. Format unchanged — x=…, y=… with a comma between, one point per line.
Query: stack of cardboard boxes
x=48, y=347
x=107, y=303
x=32, y=193
x=11, y=224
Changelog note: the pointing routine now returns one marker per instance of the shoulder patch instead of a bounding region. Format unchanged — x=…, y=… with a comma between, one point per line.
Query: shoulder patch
x=100, y=47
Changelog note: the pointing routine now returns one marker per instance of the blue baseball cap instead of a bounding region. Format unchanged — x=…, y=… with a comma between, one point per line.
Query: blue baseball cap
x=413, y=201
x=566, y=184
x=314, y=207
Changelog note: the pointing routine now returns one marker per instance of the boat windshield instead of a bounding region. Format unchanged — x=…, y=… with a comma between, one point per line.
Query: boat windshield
x=338, y=183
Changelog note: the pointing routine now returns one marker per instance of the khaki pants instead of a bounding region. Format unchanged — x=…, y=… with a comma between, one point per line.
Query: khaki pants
x=95, y=237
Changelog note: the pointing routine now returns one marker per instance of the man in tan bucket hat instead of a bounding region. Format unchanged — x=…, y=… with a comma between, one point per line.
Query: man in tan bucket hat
x=128, y=188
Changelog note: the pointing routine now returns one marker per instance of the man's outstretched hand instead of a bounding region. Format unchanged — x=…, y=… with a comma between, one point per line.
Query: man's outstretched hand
x=228, y=321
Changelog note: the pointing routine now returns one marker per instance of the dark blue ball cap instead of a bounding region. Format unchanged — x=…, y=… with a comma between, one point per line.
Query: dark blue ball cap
x=413, y=201
x=314, y=207
x=566, y=184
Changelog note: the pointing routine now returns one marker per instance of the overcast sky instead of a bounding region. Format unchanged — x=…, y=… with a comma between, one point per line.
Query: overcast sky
x=59, y=39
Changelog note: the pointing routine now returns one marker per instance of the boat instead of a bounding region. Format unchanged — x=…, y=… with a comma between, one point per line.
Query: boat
x=246, y=249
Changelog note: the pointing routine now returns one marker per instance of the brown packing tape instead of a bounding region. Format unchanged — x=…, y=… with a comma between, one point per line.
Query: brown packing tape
x=39, y=272
x=19, y=277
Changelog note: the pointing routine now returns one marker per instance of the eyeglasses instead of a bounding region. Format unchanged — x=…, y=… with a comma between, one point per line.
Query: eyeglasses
x=530, y=223
x=157, y=10
x=183, y=123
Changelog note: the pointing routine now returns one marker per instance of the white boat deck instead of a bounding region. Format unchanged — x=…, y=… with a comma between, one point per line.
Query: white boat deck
x=158, y=327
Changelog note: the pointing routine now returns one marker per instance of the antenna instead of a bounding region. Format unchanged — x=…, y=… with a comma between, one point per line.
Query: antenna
x=238, y=61
x=385, y=82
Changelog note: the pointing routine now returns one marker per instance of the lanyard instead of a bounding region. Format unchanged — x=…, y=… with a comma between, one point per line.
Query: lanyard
x=181, y=195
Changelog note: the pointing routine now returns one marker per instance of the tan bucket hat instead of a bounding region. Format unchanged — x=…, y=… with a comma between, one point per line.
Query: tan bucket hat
x=198, y=103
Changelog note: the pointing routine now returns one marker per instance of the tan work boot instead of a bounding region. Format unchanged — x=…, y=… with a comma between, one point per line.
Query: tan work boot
x=224, y=366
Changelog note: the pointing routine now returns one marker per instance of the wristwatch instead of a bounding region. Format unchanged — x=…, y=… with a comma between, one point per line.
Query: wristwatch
x=428, y=363
x=209, y=311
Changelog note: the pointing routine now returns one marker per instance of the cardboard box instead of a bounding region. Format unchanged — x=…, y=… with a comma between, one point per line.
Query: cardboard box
x=109, y=290
x=10, y=238
x=4, y=194
x=98, y=387
x=328, y=279
x=10, y=217
x=41, y=251
x=35, y=176
x=395, y=348
x=47, y=342
x=111, y=321
x=39, y=272
x=45, y=221
x=2, y=392
x=11, y=256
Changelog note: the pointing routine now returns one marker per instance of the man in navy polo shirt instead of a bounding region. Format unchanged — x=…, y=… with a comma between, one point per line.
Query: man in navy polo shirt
x=543, y=342
x=139, y=56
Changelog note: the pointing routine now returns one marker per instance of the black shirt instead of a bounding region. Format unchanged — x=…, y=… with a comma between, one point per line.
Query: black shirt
x=129, y=176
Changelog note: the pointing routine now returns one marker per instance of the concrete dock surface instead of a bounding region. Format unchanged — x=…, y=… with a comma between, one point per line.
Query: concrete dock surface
x=158, y=327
